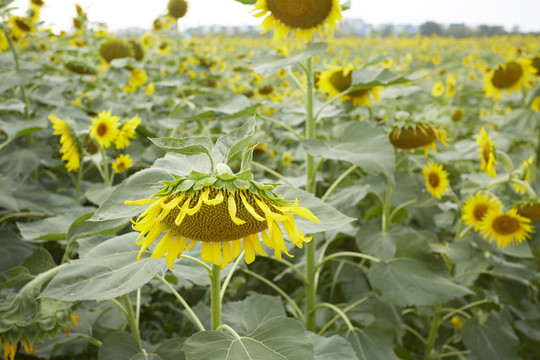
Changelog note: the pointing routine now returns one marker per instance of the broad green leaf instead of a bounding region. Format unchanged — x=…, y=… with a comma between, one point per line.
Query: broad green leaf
x=361, y=144
x=268, y=64
x=493, y=340
x=109, y=270
x=188, y=146
x=234, y=142
x=406, y=281
x=246, y=315
x=140, y=185
x=118, y=346
x=372, y=343
x=14, y=276
x=82, y=228
x=12, y=250
x=39, y=261
x=53, y=228
x=170, y=349
x=232, y=105
x=10, y=79
x=14, y=129
x=183, y=164
x=330, y=218
x=12, y=105
x=331, y=348
x=368, y=78
x=277, y=339
x=374, y=242
x=529, y=328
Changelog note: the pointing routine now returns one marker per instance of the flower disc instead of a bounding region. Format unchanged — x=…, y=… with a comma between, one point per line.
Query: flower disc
x=413, y=137
x=506, y=77
x=300, y=13
x=530, y=211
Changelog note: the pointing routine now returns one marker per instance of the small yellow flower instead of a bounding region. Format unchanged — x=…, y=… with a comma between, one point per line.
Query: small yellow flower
x=436, y=179
x=507, y=229
x=104, y=128
x=475, y=208
x=122, y=163
x=535, y=104
x=4, y=44
x=457, y=322
x=150, y=89
x=339, y=78
x=438, y=89
x=126, y=132
x=487, y=153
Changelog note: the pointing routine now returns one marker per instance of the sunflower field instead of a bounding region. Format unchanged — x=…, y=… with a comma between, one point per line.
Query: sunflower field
x=291, y=195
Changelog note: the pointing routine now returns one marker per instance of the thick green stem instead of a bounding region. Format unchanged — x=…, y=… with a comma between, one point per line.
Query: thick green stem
x=311, y=269
x=434, y=328
x=387, y=208
x=215, y=298
x=105, y=167
x=132, y=320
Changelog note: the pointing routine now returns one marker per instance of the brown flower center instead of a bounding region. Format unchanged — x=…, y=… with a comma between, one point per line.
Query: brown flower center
x=531, y=211
x=342, y=83
x=102, y=129
x=213, y=222
x=506, y=225
x=479, y=211
x=23, y=25
x=411, y=138
x=266, y=89
x=303, y=14
x=506, y=77
x=434, y=179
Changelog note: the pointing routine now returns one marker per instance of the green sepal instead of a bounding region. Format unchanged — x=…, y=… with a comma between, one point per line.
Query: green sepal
x=198, y=185
x=195, y=175
x=226, y=177
x=241, y=184
x=219, y=184
x=209, y=181
x=186, y=185
x=245, y=175
x=230, y=187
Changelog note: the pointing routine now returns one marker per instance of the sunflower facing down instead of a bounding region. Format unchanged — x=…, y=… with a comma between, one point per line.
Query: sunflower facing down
x=299, y=17
x=410, y=137
x=475, y=208
x=487, y=153
x=225, y=212
x=338, y=79
x=506, y=228
x=509, y=77
x=436, y=179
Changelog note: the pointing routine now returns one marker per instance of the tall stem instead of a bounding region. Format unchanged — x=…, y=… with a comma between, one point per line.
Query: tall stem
x=387, y=207
x=434, y=328
x=132, y=320
x=215, y=298
x=105, y=167
x=311, y=268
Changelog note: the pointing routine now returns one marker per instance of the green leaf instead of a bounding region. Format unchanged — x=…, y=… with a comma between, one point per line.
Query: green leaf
x=10, y=79
x=331, y=348
x=330, y=218
x=39, y=261
x=81, y=228
x=494, y=340
x=232, y=105
x=107, y=271
x=374, y=242
x=14, y=276
x=361, y=144
x=277, y=339
x=246, y=315
x=405, y=281
x=187, y=146
x=234, y=142
x=118, y=346
x=247, y=2
x=372, y=343
x=140, y=185
x=171, y=349
x=269, y=64
x=368, y=78
x=12, y=250
x=12, y=105
x=53, y=228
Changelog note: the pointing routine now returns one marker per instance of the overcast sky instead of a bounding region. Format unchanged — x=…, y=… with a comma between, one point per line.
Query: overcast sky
x=118, y=14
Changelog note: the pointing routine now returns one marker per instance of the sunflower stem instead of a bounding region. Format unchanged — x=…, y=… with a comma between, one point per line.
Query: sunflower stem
x=280, y=124
x=387, y=208
x=230, y=275
x=105, y=167
x=132, y=321
x=338, y=311
x=215, y=298
x=337, y=181
x=344, y=311
x=434, y=328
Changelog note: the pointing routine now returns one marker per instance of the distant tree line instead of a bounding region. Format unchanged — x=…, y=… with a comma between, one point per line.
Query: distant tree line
x=461, y=30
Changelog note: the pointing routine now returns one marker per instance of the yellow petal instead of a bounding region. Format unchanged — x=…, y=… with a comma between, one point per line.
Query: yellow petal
x=250, y=208
x=232, y=211
x=150, y=238
x=207, y=254
x=267, y=240
x=193, y=210
x=175, y=247
x=227, y=254
x=248, y=248
x=139, y=202
x=217, y=200
x=191, y=245
x=256, y=244
x=216, y=253
x=236, y=248
x=269, y=213
x=163, y=246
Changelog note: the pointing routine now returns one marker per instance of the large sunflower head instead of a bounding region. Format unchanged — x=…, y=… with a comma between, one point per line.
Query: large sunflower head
x=225, y=212
x=177, y=8
x=299, y=17
x=410, y=136
x=506, y=228
x=338, y=79
x=436, y=179
x=115, y=49
x=487, y=153
x=509, y=77
x=475, y=208
x=104, y=128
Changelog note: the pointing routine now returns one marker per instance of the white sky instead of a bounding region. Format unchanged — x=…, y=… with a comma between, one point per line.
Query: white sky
x=118, y=14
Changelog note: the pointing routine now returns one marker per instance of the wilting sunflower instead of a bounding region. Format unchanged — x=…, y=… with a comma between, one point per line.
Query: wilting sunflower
x=507, y=228
x=509, y=77
x=529, y=208
x=475, y=208
x=338, y=79
x=104, y=128
x=487, y=153
x=20, y=26
x=126, y=132
x=122, y=162
x=523, y=173
x=436, y=179
x=300, y=17
x=224, y=212
x=410, y=137
x=115, y=49
x=71, y=146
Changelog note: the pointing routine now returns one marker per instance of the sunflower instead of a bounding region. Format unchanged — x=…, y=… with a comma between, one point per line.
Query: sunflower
x=438, y=89
x=338, y=79
x=535, y=103
x=510, y=77
x=475, y=208
x=70, y=149
x=104, y=128
x=522, y=173
x=4, y=44
x=300, y=17
x=218, y=211
x=122, y=163
x=450, y=86
x=115, y=49
x=126, y=132
x=529, y=208
x=507, y=228
x=410, y=137
x=20, y=26
x=138, y=78
x=487, y=153
x=177, y=8
x=436, y=179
